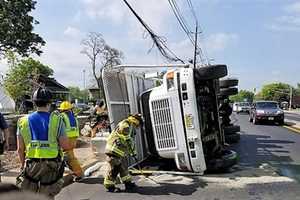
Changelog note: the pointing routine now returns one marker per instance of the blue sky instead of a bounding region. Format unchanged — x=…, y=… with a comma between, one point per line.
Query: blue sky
x=258, y=39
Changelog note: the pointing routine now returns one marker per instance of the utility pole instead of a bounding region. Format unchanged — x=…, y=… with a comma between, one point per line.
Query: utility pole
x=196, y=46
x=291, y=98
x=84, y=84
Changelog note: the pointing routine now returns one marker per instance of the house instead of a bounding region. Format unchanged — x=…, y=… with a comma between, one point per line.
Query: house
x=58, y=91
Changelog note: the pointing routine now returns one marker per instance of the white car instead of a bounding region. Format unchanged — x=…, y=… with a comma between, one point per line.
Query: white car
x=243, y=107
x=235, y=106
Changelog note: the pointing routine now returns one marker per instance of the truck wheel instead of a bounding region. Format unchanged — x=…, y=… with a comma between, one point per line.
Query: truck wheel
x=228, y=91
x=223, y=163
x=211, y=72
x=232, y=138
x=226, y=83
x=231, y=129
x=222, y=97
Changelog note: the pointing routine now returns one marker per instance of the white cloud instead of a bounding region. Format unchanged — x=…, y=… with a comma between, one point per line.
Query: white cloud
x=293, y=8
x=73, y=32
x=289, y=21
x=156, y=13
x=220, y=41
x=66, y=60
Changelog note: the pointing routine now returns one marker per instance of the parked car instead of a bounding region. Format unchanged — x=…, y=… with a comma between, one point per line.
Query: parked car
x=243, y=107
x=266, y=111
x=235, y=106
x=82, y=106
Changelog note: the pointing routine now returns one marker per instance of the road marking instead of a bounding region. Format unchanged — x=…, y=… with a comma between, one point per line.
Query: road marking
x=292, y=129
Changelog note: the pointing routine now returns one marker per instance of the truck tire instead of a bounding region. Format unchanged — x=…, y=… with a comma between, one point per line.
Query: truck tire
x=232, y=138
x=231, y=129
x=226, y=83
x=228, y=91
x=211, y=72
x=223, y=163
x=223, y=97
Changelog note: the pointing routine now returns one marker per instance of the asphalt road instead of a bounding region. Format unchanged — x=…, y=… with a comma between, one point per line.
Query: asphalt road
x=259, y=144
x=269, y=143
x=292, y=116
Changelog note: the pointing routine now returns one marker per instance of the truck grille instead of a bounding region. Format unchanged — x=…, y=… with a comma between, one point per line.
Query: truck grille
x=162, y=120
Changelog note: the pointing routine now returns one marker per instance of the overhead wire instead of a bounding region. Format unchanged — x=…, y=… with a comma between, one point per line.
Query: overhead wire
x=158, y=41
x=201, y=52
x=185, y=27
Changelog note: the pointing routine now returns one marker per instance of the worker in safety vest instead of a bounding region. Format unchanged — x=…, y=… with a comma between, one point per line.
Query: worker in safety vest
x=40, y=139
x=119, y=146
x=99, y=111
x=72, y=131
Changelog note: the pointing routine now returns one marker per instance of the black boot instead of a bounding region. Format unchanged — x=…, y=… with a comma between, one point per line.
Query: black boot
x=111, y=189
x=130, y=186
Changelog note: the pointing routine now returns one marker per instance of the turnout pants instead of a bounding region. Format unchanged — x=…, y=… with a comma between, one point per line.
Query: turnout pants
x=116, y=166
x=72, y=161
x=42, y=176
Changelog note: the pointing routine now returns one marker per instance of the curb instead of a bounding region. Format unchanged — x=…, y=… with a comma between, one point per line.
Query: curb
x=291, y=126
x=68, y=177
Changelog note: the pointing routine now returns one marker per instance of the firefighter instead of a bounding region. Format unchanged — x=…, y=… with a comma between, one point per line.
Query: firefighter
x=40, y=138
x=72, y=131
x=225, y=111
x=119, y=146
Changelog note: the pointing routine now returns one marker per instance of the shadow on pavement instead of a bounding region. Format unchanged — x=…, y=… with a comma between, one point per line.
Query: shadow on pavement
x=171, y=188
x=254, y=150
x=257, y=149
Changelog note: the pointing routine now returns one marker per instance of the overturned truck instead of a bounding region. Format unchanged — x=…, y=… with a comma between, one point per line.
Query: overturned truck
x=181, y=114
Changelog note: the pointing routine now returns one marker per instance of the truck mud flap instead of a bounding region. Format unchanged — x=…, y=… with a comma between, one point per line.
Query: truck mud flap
x=223, y=163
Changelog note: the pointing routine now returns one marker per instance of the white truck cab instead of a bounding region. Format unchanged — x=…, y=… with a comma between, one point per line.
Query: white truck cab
x=175, y=125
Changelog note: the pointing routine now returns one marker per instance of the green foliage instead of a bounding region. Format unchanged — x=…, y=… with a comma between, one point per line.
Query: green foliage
x=17, y=80
x=242, y=95
x=276, y=92
x=297, y=90
x=76, y=93
x=16, y=28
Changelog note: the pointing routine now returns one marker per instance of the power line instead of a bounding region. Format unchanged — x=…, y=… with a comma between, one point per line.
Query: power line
x=185, y=27
x=158, y=41
x=192, y=10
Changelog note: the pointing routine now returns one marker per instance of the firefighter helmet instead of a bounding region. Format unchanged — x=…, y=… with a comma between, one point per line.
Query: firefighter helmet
x=65, y=105
x=42, y=95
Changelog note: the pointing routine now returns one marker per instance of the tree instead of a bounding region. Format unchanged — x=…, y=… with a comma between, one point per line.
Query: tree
x=242, y=95
x=297, y=90
x=17, y=80
x=100, y=54
x=76, y=93
x=16, y=28
x=276, y=92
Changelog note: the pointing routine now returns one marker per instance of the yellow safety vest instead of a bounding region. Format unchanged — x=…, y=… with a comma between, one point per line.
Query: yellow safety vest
x=41, y=149
x=119, y=143
x=72, y=132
